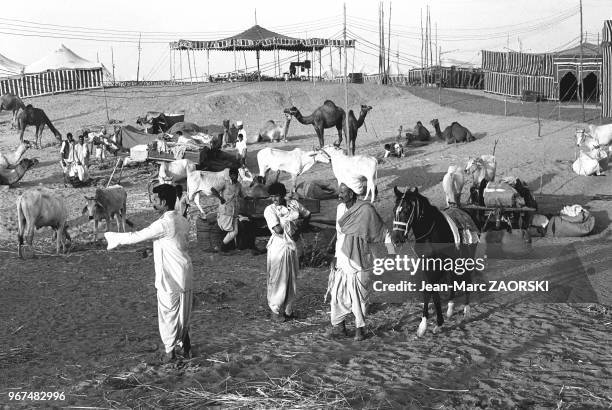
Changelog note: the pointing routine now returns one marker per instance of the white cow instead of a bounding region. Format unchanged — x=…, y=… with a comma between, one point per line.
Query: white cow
x=174, y=171
x=37, y=208
x=483, y=167
x=294, y=162
x=351, y=170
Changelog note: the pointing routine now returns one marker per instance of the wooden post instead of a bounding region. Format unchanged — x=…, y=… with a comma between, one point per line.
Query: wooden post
x=581, y=81
x=345, y=89
x=539, y=122
x=208, y=62
x=422, y=46
x=189, y=65
x=113, y=64
x=195, y=71
x=389, y=44
x=138, y=66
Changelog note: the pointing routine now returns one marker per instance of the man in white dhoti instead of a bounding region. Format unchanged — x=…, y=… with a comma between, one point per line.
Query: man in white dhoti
x=67, y=152
x=357, y=225
x=173, y=269
x=283, y=263
x=80, y=166
x=229, y=205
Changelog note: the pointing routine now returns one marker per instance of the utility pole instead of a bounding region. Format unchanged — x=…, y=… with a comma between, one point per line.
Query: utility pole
x=345, y=87
x=389, y=43
x=138, y=66
x=581, y=83
x=440, y=71
x=113, y=63
x=422, y=45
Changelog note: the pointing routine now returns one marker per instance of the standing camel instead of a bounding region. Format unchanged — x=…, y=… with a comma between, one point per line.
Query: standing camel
x=326, y=116
x=453, y=133
x=38, y=118
x=11, y=102
x=354, y=124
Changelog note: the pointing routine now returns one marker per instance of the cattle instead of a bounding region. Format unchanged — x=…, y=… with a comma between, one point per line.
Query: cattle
x=106, y=204
x=204, y=181
x=37, y=208
x=174, y=171
x=294, y=162
x=351, y=170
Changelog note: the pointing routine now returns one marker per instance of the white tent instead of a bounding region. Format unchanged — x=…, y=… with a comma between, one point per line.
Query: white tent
x=9, y=67
x=61, y=59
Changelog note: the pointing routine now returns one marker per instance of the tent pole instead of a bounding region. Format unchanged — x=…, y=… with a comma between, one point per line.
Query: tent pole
x=181, y=63
x=320, y=63
x=189, y=65
x=208, y=62
x=235, y=67
x=195, y=71
x=170, y=61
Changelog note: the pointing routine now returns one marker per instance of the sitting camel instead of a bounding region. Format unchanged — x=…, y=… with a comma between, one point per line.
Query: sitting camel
x=11, y=159
x=453, y=133
x=11, y=102
x=273, y=132
x=354, y=124
x=38, y=118
x=421, y=133
x=326, y=116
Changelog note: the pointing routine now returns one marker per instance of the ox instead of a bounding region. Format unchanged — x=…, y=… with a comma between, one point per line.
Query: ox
x=175, y=171
x=596, y=137
x=37, y=208
x=294, y=162
x=351, y=170
x=106, y=204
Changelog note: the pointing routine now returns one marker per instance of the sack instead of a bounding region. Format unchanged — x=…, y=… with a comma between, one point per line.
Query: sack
x=585, y=165
x=500, y=194
x=503, y=244
x=562, y=226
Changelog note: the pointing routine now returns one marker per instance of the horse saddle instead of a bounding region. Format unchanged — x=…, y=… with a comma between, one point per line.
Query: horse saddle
x=463, y=227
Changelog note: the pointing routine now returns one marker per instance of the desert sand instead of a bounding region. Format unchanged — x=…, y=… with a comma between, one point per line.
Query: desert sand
x=85, y=323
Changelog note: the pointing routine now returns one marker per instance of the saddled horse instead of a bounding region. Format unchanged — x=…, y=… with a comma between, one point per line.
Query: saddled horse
x=434, y=240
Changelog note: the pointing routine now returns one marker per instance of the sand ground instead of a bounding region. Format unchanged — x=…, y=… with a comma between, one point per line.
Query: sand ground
x=85, y=323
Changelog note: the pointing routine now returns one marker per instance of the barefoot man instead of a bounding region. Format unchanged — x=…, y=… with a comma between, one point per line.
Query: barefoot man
x=357, y=225
x=173, y=269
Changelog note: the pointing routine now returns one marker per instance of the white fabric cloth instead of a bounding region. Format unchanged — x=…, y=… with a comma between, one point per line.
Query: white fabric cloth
x=571, y=210
x=173, y=317
x=348, y=283
x=170, y=234
x=241, y=146
x=282, y=259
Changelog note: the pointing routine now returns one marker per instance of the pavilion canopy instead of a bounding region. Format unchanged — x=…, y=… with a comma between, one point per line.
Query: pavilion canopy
x=9, y=67
x=258, y=38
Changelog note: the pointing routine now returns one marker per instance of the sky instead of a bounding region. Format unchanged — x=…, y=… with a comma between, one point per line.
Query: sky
x=29, y=30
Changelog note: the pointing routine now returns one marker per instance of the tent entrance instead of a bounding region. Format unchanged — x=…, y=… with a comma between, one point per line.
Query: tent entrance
x=568, y=88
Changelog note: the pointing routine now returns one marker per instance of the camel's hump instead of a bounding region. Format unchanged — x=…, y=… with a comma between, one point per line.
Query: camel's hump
x=329, y=102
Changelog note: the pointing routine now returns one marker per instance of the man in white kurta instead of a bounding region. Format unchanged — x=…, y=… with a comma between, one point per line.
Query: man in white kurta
x=173, y=269
x=357, y=225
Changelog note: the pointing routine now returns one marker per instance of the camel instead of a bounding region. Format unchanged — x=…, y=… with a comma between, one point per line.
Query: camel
x=354, y=124
x=274, y=132
x=326, y=116
x=421, y=133
x=453, y=133
x=10, y=176
x=11, y=102
x=11, y=159
x=38, y=118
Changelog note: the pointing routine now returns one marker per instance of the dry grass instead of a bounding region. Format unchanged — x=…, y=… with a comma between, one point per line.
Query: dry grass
x=274, y=393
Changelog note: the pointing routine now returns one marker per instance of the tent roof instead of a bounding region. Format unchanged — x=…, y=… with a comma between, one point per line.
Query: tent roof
x=9, y=67
x=62, y=58
x=259, y=38
x=588, y=50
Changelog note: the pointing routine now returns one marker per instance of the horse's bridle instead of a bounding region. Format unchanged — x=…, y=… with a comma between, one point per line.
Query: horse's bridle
x=416, y=211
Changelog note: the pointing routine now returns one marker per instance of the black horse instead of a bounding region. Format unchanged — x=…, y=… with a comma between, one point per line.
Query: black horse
x=435, y=241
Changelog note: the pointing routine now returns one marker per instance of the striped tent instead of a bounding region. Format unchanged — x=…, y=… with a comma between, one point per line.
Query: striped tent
x=61, y=71
x=606, y=70
x=552, y=75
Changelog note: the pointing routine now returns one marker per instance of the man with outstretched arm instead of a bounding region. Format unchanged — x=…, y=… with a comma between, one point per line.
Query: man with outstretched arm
x=173, y=269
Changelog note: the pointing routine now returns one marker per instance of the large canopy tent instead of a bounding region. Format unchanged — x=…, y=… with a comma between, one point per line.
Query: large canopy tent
x=255, y=39
x=61, y=71
x=9, y=67
x=555, y=76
